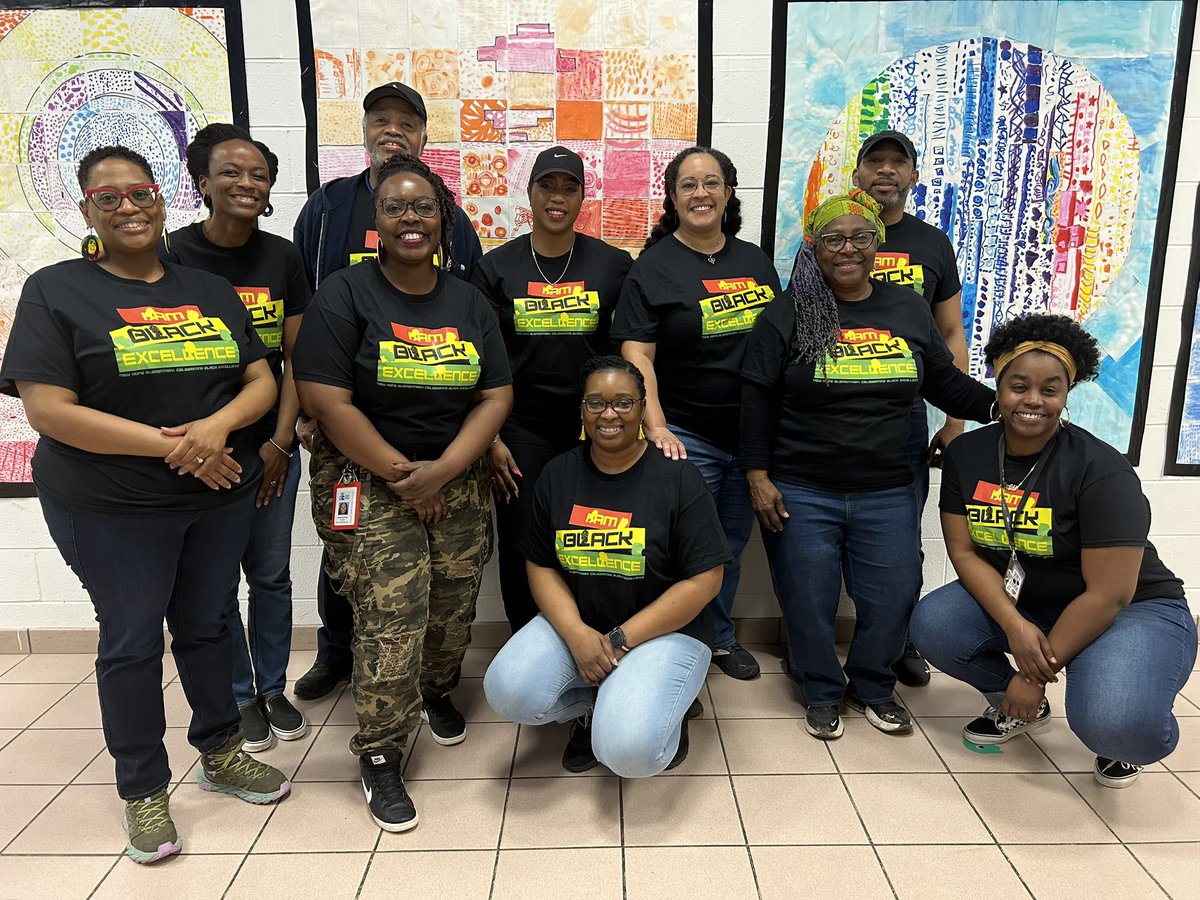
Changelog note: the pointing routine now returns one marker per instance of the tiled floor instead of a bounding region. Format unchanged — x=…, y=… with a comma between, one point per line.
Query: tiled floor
x=758, y=810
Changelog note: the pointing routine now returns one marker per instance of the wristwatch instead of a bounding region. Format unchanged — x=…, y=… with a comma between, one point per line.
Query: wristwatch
x=617, y=638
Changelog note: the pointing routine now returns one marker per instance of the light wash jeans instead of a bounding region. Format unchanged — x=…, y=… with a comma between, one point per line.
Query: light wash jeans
x=1120, y=688
x=639, y=707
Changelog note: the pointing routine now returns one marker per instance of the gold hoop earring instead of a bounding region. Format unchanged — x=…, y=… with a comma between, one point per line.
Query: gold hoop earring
x=1065, y=419
x=994, y=411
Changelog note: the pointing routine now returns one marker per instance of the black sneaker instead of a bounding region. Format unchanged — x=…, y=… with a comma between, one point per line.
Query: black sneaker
x=285, y=720
x=823, y=722
x=1112, y=773
x=911, y=669
x=320, y=680
x=682, y=752
x=389, y=803
x=258, y=733
x=578, y=755
x=736, y=661
x=888, y=716
x=994, y=727
x=446, y=724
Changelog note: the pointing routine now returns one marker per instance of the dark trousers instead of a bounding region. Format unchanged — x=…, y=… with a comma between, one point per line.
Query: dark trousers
x=139, y=567
x=337, y=622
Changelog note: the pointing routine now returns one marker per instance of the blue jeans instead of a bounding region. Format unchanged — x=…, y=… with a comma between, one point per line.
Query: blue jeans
x=1120, y=688
x=638, y=709
x=727, y=483
x=868, y=538
x=267, y=564
x=918, y=454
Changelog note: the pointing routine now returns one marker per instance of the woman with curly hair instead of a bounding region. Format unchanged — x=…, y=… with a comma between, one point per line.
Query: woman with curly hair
x=404, y=369
x=1046, y=527
x=684, y=319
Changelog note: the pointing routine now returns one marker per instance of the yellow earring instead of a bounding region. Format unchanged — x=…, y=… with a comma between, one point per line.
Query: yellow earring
x=641, y=433
x=582, y=432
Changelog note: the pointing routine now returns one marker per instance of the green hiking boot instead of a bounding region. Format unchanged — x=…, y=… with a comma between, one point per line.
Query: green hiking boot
x=231, y=770
x=150, y=834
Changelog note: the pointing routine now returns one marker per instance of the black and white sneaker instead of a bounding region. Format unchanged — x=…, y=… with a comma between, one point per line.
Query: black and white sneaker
x=887, y=716
x=389, y=803
x=994, y=727
x=823, y=722
x=1112, y=773
x=285, y=720
x=258, y=733
x=736, y=662
x=446, y=724
x=578, y=755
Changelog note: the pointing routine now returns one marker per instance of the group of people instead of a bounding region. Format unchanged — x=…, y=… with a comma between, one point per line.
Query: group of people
x=627, y=419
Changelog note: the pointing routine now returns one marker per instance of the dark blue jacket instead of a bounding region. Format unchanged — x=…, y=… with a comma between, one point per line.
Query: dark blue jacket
x=323, y=230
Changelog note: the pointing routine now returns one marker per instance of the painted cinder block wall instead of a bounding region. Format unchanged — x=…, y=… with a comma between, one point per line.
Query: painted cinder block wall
x=38, y=591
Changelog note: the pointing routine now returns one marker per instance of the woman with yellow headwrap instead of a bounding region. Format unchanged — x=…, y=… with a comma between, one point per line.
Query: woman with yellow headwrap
x=1046, y=527
x=830, y=374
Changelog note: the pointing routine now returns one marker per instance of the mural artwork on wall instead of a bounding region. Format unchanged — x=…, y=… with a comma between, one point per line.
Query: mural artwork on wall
x=1043, y=132
x=74, y=79
x=1183, y=424
x=625, y=83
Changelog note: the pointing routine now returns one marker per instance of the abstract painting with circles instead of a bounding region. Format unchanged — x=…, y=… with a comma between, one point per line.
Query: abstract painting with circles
x=145, y=77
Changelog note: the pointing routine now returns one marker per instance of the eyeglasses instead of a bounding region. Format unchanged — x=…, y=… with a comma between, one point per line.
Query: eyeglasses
x=108, y=199
x=621, y=406
x=711, y=185
x=394, y=207
x=860, y=239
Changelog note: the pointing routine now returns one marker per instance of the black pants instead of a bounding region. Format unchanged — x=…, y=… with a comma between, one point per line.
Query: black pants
x=139, y=567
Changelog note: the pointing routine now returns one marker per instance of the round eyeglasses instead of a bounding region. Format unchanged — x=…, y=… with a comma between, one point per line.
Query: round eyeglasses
x=621, y=406
x=689, y=186
x=394, y=207
x=860, y=239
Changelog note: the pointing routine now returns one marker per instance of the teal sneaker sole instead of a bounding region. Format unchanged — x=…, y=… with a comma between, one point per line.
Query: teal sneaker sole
x=167, y=848
x=258, y=797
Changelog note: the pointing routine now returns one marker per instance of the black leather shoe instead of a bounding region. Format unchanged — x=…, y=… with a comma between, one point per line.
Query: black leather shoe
x=911, y=668
x=578, y=755
x=682, y=752
x=736, y=662
x=320, y=680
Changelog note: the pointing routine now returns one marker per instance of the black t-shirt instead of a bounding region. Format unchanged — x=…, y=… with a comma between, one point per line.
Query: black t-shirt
x=413, y=362
x=843, y=424
x=164, y=353
x=620, y=541
x=362, y=241
x=699, y=314
x=918, y=256
x=1085, y=495
x=550, y=330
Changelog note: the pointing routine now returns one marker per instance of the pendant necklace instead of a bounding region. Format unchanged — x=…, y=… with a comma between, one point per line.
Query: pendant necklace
x=533, y=253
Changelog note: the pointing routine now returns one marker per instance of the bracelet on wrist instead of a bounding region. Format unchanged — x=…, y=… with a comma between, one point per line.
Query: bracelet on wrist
x=286, y=453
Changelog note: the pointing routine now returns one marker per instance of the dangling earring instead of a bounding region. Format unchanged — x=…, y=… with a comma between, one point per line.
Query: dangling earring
x=269, y=211
x=166, y=239
x=91, y=248
x=994, y=411
x=1065, y=419
x=582, y=431
x=641, y=433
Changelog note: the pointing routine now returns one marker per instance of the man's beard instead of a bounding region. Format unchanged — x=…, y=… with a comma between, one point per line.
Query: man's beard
x=896, y=200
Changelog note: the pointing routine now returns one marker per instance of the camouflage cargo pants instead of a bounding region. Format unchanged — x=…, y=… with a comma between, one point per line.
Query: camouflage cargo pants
x=412, y=589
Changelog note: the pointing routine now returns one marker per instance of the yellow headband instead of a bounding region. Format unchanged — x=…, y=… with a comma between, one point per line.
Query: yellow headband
x=1058, y=351
x=857, y=203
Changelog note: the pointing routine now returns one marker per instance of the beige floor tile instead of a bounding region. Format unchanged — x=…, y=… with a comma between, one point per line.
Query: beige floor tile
x=320, y=818
x=1067, y=752
x=8, y=660
x=562, y=812
x=1186, y=757
x=469, y=699
x=773, y=747
x=1069, y=872
x=948, y=872
x=797, y=809
x=307, y=876
x=179, y=712
x=181, y=755
x=299, y=662
x=18, y=806
x=864, y=748
x=287, y=755
x=475, y=663
x=1156, y=808
x=78, y=709
x=7, y=735
x=1176, y=867
x=1192, y=780
x=32, y=876
x=455, y=815
x=1191, y=690
x=50, y=668
x=944, y=696
x=342, y=711
x=217, y=823
x=1032, y=809
x=652, y=873
x=854, y=869
x=169, y=670
x=705, y=756
x=662, y=812
x=539, y=753
x=329, y=758
x=581, y=874
x=486, y=753
x=49, y=757
x=316, y=712
x=189, y=876
x=20, y=704
x=465, y=875
x=86, y=818
x=946, y=816
x=766, y=697
x=1020, y=754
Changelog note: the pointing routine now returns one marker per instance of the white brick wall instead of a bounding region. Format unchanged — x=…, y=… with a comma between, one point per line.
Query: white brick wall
x=38, y=591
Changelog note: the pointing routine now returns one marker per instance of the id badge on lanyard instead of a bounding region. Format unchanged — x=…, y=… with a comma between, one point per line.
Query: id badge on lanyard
x=1014, y=575
x=346, y=495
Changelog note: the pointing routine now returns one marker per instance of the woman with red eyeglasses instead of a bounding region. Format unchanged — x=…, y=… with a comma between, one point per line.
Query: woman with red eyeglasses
x=142, y=378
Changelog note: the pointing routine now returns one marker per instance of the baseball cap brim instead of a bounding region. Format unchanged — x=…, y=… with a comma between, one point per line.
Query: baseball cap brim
x=399, y=91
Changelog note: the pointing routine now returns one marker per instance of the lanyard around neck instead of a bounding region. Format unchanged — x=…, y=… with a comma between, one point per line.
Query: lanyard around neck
x=1031, y=478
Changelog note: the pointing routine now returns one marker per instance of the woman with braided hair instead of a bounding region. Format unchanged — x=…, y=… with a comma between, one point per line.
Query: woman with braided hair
x=831, y=372
x=404, y=369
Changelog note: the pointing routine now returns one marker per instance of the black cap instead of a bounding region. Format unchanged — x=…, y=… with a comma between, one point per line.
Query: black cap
x=396, y=89
x=895, y=137
x=558, y=159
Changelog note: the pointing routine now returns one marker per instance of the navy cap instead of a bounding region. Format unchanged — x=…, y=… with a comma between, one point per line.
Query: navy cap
x=396, y=89
x=895, y=137
x=558, y=159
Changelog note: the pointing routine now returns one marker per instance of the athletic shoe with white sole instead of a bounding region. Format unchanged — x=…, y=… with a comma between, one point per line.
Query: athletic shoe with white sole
x=887, y=716
x=994, y=727
x=1112, y=773
x=446, y=724
x=383, y=786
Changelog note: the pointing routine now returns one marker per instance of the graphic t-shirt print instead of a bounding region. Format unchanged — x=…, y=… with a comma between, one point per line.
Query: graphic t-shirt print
x=159, y=339
x=868, y=356
x=732, y=305
x=895, y=267
x=601, y=542
x=428, y=357
x=266, y=314
x=567, y=308
x=1032, y=523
